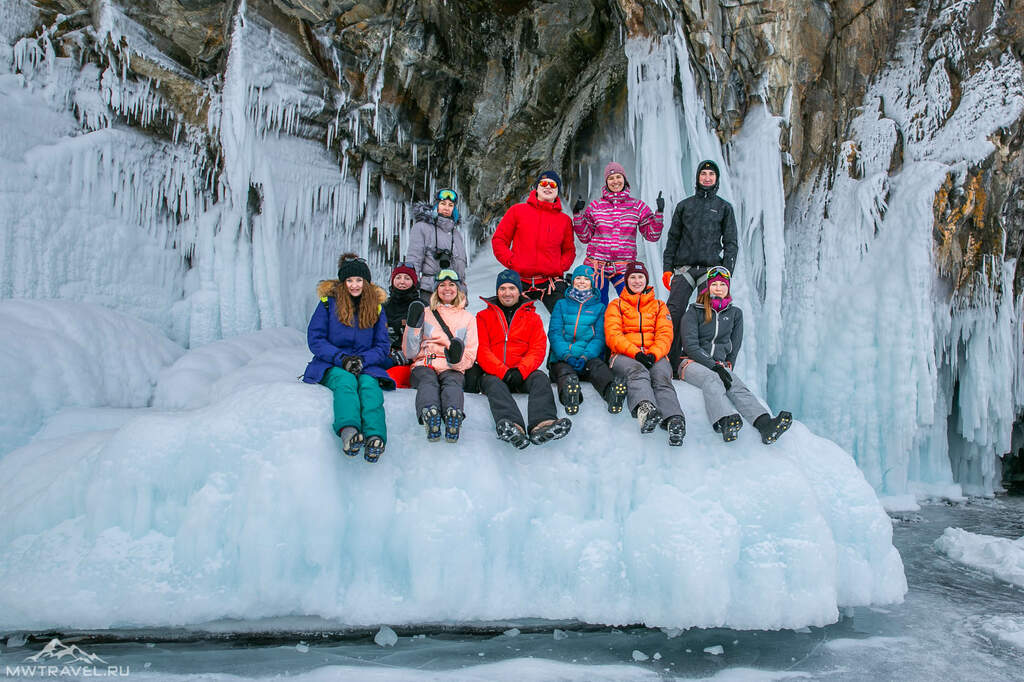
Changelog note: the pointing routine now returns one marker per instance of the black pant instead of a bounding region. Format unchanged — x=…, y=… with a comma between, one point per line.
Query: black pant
x=540, y=405
x=596, y=369
x=678, y=300
x=539, y=292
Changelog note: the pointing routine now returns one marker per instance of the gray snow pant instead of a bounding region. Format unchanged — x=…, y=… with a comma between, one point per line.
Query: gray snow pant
x=443, y=390
x=539, y=407
x=719, y=402
x=654, y=385
x=678, y=299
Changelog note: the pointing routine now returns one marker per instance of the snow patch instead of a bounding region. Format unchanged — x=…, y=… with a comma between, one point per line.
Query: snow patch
x=998, y=557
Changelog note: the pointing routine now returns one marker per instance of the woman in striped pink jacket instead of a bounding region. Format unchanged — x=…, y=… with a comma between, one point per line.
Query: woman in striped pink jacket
x=609, y=225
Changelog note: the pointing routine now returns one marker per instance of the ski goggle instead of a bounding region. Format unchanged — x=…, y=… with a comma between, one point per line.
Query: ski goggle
x=719, y=271
x=446, y=274
x=447, y=195
x=548, y=184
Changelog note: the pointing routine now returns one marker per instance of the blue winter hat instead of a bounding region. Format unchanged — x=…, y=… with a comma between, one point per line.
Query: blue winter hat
x=551, y=175
x=584, y=271
x=509, y=277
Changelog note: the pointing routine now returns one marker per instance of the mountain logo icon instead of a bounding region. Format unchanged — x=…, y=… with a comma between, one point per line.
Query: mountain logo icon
x=57, y=650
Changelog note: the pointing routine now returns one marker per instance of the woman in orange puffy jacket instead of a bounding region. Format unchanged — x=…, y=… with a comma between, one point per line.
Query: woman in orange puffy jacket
x=638, y=332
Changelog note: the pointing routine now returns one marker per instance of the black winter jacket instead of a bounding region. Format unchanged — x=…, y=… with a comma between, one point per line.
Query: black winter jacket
x=703, y=227
x=396, y=309
x=712, y=342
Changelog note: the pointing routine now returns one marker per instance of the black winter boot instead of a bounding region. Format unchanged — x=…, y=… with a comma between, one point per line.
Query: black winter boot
x=649, y=416
x=351, y=440
x=729, y=426
x=571, y=396
x=676, y=427
x=615, y=395
x=513, y=433
x=374, y=448
x=772, y=427
x=559, y=428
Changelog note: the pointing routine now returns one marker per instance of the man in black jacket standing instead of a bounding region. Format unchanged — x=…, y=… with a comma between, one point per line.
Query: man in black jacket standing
x=703, y=233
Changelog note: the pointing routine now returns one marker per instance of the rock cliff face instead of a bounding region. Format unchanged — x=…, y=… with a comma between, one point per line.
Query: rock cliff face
x=284, y=130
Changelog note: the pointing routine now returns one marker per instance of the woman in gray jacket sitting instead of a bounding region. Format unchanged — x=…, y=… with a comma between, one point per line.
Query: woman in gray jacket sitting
x=712, y=333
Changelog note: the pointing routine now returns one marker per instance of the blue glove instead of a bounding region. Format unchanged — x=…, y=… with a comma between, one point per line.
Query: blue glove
x=577, y=363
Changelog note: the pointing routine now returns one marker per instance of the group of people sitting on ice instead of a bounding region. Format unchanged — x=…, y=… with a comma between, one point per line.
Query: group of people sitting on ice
x=421, y=335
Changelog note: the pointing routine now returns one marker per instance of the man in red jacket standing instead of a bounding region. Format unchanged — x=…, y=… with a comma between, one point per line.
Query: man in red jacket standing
x=535, y=239
x=512, y=347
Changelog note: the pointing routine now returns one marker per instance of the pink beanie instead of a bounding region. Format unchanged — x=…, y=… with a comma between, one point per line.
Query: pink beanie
x=614, y=167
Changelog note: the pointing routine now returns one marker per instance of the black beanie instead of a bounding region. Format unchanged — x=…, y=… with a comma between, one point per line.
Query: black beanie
x=353, y=267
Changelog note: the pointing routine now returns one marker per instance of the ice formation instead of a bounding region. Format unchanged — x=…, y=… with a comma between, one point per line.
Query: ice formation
x=244, y=508
x=999, y=557
x=59, y=354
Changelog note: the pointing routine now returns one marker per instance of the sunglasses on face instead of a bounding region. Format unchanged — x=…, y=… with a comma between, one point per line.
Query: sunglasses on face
x=548, y=184
x=450, y=275
x=447, y=194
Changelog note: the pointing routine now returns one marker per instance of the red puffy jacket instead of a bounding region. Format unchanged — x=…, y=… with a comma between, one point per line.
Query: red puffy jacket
x=522, y=344
x=535, y=239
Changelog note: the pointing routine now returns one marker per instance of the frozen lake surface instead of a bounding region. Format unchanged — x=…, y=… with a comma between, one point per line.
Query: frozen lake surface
x=956, y=623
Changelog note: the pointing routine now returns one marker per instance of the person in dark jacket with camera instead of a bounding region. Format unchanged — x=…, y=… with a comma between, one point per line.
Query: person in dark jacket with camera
x=702, y=234
x=436, y=243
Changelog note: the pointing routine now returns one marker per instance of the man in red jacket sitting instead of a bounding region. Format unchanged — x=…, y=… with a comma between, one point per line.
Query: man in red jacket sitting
x=512, y=347
x=535, y=239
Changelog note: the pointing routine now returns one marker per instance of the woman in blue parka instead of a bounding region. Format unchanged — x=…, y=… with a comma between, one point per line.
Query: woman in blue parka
x=576, y=335
x=348, y=335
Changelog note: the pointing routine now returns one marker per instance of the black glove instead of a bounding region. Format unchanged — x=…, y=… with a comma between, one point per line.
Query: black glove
x=578, y=206
x=414, y=316
x=660, y=201
x=398, y=357
x=513, y=377
x=352, y=363
x=453, y=353
x=723, y=374
x=645, y=359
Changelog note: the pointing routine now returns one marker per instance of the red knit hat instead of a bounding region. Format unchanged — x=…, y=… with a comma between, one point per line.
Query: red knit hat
x=406, y=269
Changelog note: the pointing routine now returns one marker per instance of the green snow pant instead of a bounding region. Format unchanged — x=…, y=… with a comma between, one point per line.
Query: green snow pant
x=358, y=402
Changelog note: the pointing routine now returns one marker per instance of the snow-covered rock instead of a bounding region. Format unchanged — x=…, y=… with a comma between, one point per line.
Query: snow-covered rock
x=245, y=509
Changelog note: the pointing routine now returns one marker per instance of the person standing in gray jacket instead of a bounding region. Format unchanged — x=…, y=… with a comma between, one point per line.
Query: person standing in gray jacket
x=436, y=243
x=712, y=331
x=702, y=234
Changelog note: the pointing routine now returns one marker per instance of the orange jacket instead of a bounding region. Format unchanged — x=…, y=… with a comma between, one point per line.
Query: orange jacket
x=638, y=322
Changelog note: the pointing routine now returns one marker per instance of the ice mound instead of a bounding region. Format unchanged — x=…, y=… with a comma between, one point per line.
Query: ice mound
x=71, y=354
x=246, y=509
x=998, y=557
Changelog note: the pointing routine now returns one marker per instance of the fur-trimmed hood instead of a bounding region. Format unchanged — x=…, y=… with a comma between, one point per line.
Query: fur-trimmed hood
x=329, y=288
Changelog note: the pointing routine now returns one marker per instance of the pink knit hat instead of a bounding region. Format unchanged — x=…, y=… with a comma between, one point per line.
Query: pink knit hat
x=614, y=167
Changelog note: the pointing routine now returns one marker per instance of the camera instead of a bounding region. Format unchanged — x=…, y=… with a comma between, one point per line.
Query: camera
x=444, y=258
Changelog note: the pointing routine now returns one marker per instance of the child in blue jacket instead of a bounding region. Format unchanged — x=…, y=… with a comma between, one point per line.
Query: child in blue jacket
x=576, y=335
x=348, y=335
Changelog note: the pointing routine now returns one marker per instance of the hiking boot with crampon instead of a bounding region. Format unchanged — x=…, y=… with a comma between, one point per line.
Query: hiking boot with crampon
x=729, y=426
x=572, y=395
x=453, y=424
x=430, y=416
x=648, y=415
x=676, y=427
x=351, y=440
x=553, y=431
x=513, y=433
x=773, y=427
x=374, y=448
x=615, y=395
